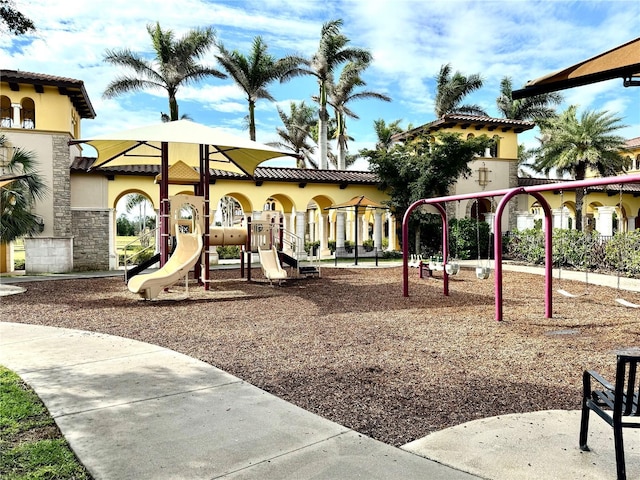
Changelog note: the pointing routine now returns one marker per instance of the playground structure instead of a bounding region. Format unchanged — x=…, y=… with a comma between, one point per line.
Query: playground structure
x=272, y=242
x=506, y=195
x=185, y=256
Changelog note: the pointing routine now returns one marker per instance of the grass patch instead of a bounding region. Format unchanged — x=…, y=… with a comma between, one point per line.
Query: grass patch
x=31, y=446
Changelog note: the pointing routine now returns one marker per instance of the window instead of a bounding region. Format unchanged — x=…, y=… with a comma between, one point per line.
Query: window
x=6, y=113
x=28, y=113
x=638, y=162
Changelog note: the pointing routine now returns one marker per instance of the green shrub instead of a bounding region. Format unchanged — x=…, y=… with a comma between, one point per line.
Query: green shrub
x=368, y=245
x=228, y=252
x=332, y=246
x=348, y=246
x=311, y=247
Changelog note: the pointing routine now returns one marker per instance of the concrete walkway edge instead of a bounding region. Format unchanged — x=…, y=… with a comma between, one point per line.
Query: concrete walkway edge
x=132, y=410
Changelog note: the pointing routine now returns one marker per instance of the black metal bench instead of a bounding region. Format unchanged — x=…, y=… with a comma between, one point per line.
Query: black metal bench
x=613, y=403
x=363, y=252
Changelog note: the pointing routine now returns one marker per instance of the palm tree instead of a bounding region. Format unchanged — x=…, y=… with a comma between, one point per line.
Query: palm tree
x=175, y=64
x=296, y=134
x=18, y=197
x=385, y=132
x=342, y=93
x=254, y=73
x=575, y=146
x=451, y=90
x=141, y=202
x=537, y=107
x=332, y=52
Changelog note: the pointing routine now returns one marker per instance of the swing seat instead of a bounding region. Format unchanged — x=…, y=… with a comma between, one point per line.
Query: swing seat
x=626, y=303
x=452, y=268
x=483, y=272
x=569, y=294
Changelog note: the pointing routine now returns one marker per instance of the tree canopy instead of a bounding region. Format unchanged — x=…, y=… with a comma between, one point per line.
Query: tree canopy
x=425, y=167
x=254, y=72
x=16, y=22
x=17, y=198
x=574, y=145
x=175, y=64
x=452, y=88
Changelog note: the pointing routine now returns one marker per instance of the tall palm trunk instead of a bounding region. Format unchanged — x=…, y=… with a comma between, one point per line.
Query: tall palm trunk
x=322, y=127
x=581, y=209
x=252, y=120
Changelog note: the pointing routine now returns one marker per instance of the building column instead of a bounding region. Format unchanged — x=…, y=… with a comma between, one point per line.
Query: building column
x=525, y=221
x=364, y=229
x=377, y=230
x=300, y=228
x=604, y=221
x=113, y=250
x=393, y=238
x=16, y=123
x=631, y=223
x=322, y=234
x=340, y=229
x=311, y=218
x=489, y=217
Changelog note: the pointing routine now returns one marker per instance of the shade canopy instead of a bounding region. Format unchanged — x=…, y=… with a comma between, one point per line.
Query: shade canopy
x=141, y=146
x=359, y=201
x=620, y=62
x=7, y=179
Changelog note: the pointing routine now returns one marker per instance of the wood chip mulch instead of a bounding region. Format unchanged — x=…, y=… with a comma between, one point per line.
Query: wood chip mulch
x=348, y=346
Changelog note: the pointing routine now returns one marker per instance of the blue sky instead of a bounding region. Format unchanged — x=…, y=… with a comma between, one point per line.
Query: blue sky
x=409, y=40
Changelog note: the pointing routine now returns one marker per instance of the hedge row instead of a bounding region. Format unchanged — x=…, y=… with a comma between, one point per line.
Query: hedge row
x=578, y=250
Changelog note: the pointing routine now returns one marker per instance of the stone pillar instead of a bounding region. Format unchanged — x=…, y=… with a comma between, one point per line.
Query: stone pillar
x=340, y=229
x=16, y=123
x=631, y=223
x=377, y=230
x=300, y=227
x=604, y=221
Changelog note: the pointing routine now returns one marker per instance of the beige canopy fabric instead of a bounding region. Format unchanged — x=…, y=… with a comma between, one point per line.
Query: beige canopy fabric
x=7, y=179
x=359, y=201
x=141, y=146
x=620, y=62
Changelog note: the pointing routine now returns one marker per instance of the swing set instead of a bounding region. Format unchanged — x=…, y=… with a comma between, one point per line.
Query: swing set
x=505, y=196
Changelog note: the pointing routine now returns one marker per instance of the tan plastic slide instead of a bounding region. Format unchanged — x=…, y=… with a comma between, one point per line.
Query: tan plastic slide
x=270, y=264
x=185, y=256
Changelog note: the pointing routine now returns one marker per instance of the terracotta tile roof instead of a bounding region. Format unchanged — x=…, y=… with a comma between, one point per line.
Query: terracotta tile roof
x=614, y=187
x=466, y=121
x=71, y=87
x=263, y=174
x=632, y=143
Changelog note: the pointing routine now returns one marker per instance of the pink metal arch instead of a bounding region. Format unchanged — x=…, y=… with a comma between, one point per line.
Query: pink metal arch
x=507, y=194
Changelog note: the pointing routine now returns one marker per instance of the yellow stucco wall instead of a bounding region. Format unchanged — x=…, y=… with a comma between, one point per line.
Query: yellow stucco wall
x=288, y=196
x=53, y=111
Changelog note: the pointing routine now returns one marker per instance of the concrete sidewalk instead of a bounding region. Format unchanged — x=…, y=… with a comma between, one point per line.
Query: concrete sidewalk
x=132, y=410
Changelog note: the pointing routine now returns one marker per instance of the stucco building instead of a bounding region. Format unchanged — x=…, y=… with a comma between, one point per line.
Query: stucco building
x=43, y=113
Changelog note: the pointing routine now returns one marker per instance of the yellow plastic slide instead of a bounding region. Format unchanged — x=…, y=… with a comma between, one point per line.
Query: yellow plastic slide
x=270, y=264
x=185, y=256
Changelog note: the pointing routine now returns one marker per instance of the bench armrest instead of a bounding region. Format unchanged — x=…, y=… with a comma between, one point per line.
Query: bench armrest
x=600, y=379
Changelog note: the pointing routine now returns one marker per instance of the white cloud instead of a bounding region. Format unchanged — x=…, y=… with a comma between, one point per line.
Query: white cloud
x=409, y=39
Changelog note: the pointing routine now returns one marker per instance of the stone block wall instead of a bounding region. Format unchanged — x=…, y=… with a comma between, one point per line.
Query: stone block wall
x=48, y=255
x=91, y=239
x=61, y=188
